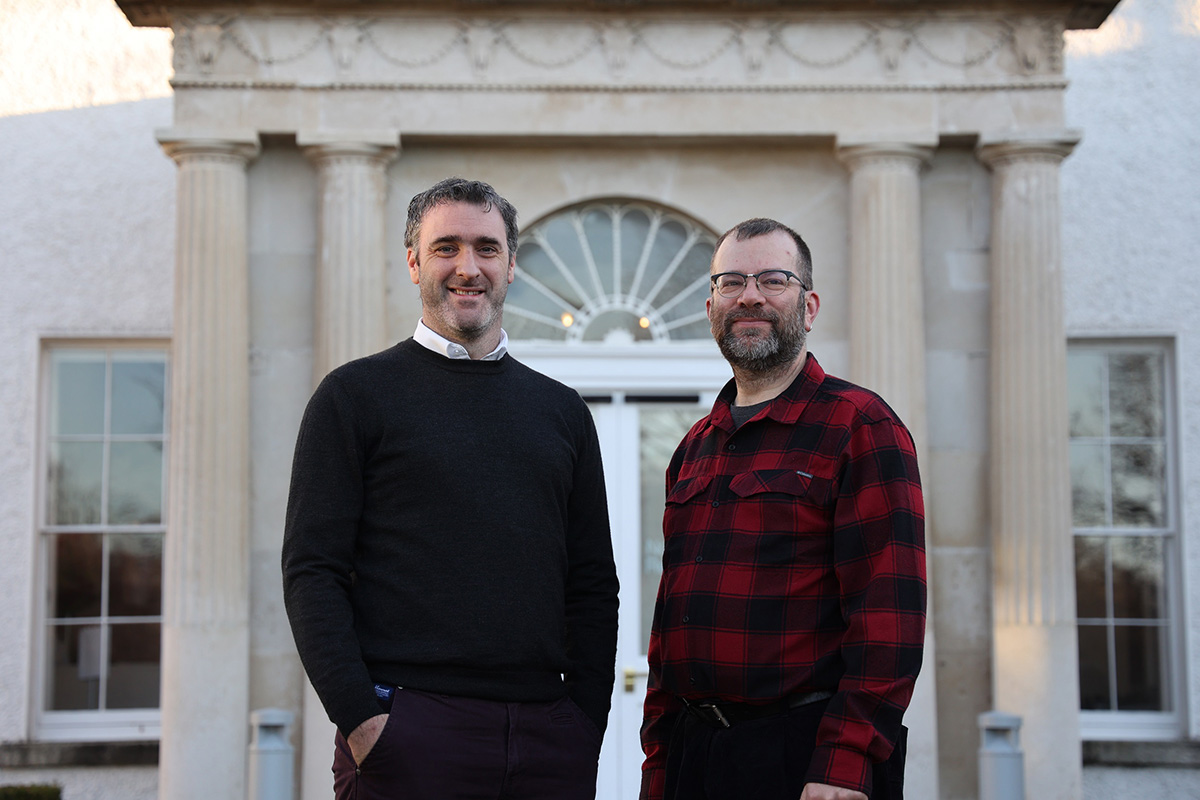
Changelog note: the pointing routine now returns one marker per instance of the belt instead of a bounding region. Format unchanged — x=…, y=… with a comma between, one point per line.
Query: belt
x=724, y=714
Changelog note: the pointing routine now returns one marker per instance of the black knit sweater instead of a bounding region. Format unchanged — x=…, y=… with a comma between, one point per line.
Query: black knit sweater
x=447, y=531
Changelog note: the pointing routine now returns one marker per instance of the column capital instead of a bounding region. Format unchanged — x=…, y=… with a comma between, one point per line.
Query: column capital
x=242, y=144
x=857, y=151
x=383, y=144
x=996, y=149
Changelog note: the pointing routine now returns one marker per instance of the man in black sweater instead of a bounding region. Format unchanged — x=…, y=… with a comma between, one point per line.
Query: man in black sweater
x=448, y=569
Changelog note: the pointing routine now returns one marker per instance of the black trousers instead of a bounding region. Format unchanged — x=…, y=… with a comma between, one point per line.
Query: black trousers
x=438, y=747
x=762, y=759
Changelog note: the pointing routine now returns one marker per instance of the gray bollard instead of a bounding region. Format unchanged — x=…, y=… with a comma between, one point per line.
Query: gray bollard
x=270, y=754
x=1001, y=762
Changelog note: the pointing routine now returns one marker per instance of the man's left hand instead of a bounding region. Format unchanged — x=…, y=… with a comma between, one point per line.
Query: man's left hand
x=823, y=791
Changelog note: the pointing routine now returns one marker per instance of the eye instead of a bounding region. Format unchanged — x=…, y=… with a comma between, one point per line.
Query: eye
x=773, y=280
x=731, y=282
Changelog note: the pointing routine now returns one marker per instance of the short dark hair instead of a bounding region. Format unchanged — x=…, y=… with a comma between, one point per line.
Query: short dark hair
x=460, y=190
x=760, y=226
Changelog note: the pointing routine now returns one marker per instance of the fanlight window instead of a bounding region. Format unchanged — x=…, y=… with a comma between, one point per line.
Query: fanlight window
x=611, y=271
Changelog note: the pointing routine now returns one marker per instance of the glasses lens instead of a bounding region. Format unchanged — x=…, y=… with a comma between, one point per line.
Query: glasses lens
x=731, y=285
x=772, y=282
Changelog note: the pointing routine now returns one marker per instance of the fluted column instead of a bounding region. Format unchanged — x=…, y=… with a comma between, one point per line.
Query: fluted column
x=206, y=601
x=1036, y=670
x=887, y=353
x=351, y=285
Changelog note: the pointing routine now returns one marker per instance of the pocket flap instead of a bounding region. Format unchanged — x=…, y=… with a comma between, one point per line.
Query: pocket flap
x=784, y=481
x=687, y=488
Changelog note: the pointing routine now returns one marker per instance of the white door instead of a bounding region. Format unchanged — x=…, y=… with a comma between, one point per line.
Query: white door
x=638, y=433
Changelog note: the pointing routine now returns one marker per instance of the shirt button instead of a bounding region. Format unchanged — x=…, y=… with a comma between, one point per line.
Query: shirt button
x=699, y=559
x=716, y=503
x=733, y=447
x=686, y=618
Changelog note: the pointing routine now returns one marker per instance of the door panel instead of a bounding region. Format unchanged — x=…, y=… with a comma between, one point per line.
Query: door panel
x=638, y=434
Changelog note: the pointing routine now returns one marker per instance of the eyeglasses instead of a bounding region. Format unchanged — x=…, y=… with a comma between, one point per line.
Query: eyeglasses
x=769, y=282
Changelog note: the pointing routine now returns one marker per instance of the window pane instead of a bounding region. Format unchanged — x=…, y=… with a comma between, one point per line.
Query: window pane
x=1137, y=569
x=135, y=575
x=138, y=388
x=1090, y=593
x=660, y=429
x=133, y=674
x=1139, y=485
x=75, y=471
x=1139, y=671
x=135, y=483
x=1136, y=394
x=75, y=575
x=73, y=666
x=1085, y=393
x=598, y=225
x=1088, y=486
x=77, y=398
x=635, y=226
x=1093, y=668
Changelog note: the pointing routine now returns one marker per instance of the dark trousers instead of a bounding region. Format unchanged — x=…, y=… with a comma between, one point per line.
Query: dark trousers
x=437, y=747
x=762, y=759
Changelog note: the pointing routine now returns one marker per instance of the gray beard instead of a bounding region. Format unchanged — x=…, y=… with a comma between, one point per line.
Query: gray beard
x=761, y=354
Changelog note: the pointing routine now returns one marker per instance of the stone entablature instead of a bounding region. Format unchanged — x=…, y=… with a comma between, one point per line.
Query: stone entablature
x=687, y=75
x=615, y=54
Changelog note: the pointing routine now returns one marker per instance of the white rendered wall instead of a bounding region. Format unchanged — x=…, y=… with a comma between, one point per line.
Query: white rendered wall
x=1131, y=211
x=86, y=249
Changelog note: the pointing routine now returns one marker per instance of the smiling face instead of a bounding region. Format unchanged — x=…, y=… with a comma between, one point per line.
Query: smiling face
x=761, y=333
x=462, y=265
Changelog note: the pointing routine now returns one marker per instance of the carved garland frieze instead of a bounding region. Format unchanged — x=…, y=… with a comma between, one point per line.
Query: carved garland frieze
x=554, y=50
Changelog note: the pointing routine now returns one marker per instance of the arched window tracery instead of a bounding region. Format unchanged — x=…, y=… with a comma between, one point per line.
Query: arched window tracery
x=615, y=271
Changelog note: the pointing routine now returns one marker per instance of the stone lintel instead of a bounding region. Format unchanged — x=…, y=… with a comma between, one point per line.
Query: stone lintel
x=379, y=141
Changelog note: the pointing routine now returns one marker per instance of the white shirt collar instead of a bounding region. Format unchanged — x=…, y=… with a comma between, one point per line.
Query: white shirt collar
x=434, y=341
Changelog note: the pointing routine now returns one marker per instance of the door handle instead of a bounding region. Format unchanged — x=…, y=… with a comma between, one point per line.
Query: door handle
x=631, y=675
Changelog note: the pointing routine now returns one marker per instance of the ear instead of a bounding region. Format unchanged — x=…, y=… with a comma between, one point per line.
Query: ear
x=708, y=307
x=812, y=306
x=414, y=269
x=512, y=268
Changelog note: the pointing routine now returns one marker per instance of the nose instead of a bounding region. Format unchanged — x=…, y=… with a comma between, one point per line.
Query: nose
x=467, y=266
x=751, y=296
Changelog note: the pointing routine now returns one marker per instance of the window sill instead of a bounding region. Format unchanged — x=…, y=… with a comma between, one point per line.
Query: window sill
x=16, y=755
x=1183, y=754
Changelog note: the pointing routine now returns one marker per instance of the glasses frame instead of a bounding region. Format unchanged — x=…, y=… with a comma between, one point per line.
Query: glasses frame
x=712, y=279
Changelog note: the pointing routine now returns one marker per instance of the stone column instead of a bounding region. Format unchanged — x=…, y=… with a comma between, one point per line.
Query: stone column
x=350, y=303
x=351, y=286
x=206, y=600
x=1036, y=672
x=887, y=353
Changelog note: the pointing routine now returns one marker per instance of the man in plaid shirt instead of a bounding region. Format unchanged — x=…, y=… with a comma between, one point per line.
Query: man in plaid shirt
x=790, y=618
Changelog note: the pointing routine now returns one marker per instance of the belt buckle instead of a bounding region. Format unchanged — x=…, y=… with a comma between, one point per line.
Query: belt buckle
x=716, y=712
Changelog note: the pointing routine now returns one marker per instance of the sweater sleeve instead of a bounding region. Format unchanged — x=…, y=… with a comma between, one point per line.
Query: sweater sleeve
x=591, y=589
x=324, y=506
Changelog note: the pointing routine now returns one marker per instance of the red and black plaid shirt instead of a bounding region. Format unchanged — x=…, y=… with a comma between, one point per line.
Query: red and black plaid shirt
x=794, y=562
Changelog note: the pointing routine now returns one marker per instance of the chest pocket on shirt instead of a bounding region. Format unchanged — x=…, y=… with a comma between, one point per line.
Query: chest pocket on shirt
x=797, y=484
x=783, y=514
x=687, y=489
x=685, y=514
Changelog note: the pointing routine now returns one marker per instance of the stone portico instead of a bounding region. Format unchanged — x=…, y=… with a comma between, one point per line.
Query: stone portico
x=915, y=144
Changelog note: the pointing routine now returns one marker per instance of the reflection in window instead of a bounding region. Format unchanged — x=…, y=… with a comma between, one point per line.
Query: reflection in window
x=615, y=272
x=103, y=528
x=1124, y=539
